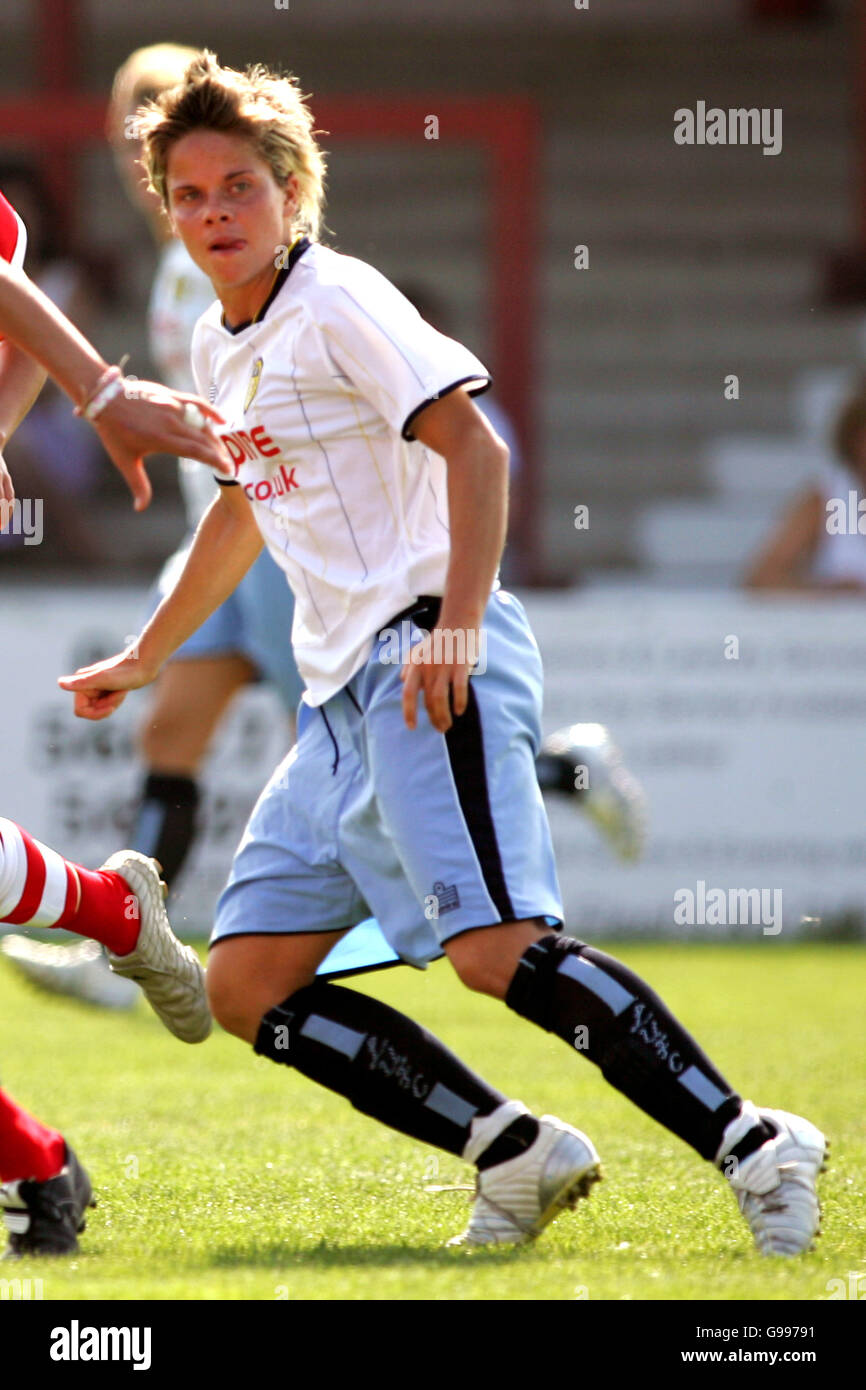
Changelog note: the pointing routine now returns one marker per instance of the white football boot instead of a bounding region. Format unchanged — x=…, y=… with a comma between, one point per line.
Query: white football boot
x=170, y=973
x=80, y=971
x=587, y=764
x=776, y=1186
x=515, y=1200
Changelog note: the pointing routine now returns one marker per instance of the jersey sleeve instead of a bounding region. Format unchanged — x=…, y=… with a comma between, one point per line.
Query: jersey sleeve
x=393, y=357
x=13, y=237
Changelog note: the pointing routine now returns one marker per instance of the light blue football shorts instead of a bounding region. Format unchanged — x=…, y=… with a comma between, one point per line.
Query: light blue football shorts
x=255, y=621
x=431, y=834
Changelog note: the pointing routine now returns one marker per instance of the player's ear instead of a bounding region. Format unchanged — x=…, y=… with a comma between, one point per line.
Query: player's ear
x=292, y=196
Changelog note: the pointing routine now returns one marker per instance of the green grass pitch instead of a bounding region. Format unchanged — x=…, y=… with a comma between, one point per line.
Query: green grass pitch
x=222, y=1176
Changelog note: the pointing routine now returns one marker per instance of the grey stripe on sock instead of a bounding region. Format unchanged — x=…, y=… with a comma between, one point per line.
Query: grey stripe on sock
x=335, y=1035
x=702, y=1088
x=450, y=1106
x=148, y=827
x=602, y=985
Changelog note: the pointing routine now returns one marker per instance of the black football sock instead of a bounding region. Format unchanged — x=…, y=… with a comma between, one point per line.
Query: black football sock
x=392, y=1069
x=604, y=1010
x=512, y=1142
x=557, y=775
x=165, y=824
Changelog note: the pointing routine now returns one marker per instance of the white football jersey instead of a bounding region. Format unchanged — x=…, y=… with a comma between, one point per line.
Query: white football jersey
x=179, y=296
x=319, y=395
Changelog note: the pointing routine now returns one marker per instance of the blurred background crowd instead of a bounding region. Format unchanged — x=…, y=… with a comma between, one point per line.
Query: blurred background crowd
x=679, y=377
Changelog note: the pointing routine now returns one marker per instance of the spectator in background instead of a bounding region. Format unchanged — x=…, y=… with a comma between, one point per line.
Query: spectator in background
x=819, y=545
x=54, y=455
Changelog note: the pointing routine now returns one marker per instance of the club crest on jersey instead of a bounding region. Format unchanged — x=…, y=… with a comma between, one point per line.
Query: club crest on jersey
x=253, y=384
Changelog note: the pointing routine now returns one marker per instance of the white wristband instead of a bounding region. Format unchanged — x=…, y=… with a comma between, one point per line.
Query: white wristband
x=95, y=407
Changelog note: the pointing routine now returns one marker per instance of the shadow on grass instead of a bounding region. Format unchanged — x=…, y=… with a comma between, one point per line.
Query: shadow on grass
x=281, y=1254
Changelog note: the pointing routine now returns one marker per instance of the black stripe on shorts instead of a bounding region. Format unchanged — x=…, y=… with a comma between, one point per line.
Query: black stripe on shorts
x=466, y=755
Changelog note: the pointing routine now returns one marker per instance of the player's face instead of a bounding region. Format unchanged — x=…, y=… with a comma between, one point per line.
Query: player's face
x=227, y=208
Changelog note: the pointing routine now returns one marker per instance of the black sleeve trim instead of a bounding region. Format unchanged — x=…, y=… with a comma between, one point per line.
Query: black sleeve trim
x=446, y=391
x=226, y=482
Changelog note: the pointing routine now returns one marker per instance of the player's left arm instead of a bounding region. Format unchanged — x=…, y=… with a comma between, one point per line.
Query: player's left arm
x=477, y=463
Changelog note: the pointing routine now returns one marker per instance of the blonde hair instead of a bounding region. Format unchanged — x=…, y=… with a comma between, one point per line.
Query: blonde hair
x=264, y=108
x=146, y=74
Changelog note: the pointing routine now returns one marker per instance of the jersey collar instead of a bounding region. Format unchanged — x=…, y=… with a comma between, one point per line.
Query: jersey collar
x=297, y=251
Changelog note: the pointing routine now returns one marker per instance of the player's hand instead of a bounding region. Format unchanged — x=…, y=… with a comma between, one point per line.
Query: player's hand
x=7, y=495
x=149, y=419
x=445, y=683
x=100, y=689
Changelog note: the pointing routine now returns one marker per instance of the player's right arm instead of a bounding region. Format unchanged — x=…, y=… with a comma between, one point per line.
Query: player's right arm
x=225, y=546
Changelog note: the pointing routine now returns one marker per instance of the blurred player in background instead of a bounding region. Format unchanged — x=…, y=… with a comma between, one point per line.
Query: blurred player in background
x=382, y=492
x=44, y=1190
x=234, y=647
x=818, y=547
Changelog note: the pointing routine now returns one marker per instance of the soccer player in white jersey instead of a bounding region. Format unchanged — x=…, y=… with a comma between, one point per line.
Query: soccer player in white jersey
x=44, y=1190
x=232, y=648
x=377, y=485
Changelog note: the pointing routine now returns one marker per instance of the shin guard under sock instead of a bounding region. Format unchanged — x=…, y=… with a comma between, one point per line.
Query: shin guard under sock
x=384, y=1063
x=605, y=1011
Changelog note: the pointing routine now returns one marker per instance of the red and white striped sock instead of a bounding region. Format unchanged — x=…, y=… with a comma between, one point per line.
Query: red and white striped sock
x=28, y=1149
x=39, y=888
